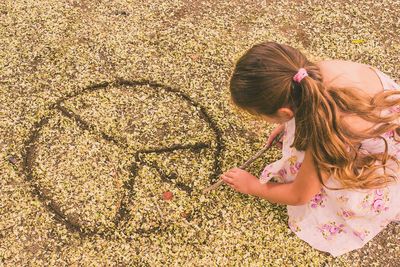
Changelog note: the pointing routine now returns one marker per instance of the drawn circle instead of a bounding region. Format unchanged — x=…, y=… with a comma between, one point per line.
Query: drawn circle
x=63, y=121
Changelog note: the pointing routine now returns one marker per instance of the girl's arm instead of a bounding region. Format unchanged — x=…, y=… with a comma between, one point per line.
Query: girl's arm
x=280, y=193
x=300, y=191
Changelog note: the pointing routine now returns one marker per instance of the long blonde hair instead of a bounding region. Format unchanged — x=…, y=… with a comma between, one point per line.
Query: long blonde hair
x=262, y=82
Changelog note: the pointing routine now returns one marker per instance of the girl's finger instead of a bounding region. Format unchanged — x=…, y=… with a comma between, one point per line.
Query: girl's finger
x=279, y=145
x=229, y=174
x=226, y=179
x=233, y=171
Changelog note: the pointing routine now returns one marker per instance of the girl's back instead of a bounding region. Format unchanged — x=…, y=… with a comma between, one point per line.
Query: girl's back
x=341, y=73
x=348, y=73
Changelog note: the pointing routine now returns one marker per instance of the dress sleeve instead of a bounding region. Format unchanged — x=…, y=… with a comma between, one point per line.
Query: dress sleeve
x=275, y=169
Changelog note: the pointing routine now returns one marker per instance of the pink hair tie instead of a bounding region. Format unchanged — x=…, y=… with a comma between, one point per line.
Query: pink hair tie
x=300, y=75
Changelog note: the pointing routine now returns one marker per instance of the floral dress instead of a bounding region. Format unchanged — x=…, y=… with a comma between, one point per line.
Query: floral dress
x=339, y=221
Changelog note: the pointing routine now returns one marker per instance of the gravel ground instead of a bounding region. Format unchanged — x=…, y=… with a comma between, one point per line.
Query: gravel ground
x=107, y=105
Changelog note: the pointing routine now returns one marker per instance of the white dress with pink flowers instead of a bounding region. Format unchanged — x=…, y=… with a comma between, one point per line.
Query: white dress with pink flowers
x=338, y=221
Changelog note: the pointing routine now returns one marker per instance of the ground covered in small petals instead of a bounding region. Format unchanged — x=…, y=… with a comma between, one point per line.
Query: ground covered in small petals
x=115, y=115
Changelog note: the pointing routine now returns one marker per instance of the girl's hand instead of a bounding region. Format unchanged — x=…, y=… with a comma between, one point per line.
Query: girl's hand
x=241, y=181
x=273, y=135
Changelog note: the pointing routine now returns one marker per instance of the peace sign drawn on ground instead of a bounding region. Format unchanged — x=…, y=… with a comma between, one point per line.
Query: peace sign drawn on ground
x=71, y=194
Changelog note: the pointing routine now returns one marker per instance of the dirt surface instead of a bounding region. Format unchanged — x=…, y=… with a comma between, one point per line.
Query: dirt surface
x=115, y=115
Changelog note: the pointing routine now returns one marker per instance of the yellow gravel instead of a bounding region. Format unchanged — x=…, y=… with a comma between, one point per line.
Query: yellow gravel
x=106, y=105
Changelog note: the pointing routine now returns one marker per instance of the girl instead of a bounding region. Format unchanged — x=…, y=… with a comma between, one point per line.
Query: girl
x=339, y=173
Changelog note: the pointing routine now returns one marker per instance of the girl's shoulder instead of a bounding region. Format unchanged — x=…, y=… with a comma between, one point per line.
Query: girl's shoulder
x=342, y=73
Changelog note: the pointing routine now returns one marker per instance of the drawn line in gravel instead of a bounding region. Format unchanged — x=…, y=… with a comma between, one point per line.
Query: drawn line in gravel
x=122, y=215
